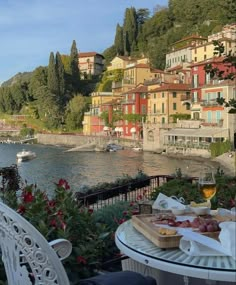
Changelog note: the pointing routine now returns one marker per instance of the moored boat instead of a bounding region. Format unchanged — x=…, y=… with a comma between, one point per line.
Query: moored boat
x=25, y=155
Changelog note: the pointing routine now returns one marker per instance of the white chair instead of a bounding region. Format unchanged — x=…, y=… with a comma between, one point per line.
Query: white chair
x=27, y=256
x=30, y=260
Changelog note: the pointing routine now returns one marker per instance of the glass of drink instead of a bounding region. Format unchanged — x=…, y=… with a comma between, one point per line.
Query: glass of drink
x=207, y=184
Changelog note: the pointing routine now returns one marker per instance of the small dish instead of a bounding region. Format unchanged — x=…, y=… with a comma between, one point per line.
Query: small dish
x=200, y=210
x=178, y=211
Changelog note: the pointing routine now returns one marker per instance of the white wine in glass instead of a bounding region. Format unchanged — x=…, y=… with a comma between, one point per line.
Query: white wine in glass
x=207, y=185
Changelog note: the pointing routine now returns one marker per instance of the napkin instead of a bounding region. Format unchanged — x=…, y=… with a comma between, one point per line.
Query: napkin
x=196, y=244
x=164, y=202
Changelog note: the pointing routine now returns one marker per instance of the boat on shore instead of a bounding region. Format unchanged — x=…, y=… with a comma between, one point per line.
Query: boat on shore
x=25, y=155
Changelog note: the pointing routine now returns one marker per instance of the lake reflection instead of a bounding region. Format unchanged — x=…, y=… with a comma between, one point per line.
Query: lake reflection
x=90, y=168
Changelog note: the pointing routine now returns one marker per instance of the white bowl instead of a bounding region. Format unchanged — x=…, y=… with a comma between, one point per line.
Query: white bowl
x=201, y=210
x=177, y=211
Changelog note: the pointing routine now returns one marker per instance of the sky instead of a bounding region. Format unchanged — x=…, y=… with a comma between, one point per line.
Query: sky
x=31, y=29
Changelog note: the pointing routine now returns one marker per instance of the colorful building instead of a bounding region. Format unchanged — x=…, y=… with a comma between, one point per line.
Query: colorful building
x=90, y=63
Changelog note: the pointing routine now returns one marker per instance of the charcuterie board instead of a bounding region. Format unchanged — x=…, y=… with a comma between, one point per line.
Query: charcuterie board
x=155, y=232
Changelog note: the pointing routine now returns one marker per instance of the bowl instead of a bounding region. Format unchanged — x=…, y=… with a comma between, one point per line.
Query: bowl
x=178, y=211
x=201, y=210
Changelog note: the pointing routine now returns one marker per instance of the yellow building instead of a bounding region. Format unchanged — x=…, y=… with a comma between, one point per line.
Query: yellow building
x=206, y=50
x=120, y=62
x=167, y=100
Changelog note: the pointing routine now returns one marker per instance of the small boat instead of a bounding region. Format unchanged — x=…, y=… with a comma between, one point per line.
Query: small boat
x=137, y=148
x=25, y=155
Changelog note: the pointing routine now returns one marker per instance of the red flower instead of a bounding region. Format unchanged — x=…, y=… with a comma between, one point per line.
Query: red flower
x=125, y=213
x=21, y=209
x=63, y=226
x=90, y=211
x=53, y=223
x=121, y=221
x=81, y=260
x=63, y=183
x=51, y=203
x=28, y=197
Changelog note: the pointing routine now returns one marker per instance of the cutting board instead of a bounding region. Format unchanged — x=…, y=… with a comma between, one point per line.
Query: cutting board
x=143, y=224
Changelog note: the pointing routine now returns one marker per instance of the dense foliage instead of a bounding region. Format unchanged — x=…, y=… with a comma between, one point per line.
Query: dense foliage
x=59, y=216
x=153, y=35
x=180, y=186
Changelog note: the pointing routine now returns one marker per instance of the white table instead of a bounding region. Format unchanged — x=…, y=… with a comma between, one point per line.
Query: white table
x=140, y=249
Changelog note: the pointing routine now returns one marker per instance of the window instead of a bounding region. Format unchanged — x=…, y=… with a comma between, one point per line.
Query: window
x=209, y=116
x=195, y=96
x=154, y=96
x=218, y=116
x=133, y=109
x=174, y=106
x=143, y=95
x=163, y=95
x=207, y=78
x=174, y=94
x=195, y=81
x=126, y=109
x=195, y=58
x=143, y=109
x=205, y=56
x=133, y=96
x=205, y=48
x=154, y=120
x=154, y=108
x=163, y=120
x=163, y=107
x=187, y=106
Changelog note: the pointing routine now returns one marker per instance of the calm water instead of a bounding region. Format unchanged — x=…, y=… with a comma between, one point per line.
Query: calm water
x=90, y=168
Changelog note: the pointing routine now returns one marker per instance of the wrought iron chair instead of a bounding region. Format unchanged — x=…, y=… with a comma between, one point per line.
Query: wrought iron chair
x=30, y=260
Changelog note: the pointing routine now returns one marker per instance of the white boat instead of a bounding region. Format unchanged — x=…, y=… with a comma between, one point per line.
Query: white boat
x=137, y=148
x=25, y=155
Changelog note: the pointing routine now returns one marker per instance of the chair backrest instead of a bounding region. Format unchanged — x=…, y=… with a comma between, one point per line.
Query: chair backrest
x=27, y=256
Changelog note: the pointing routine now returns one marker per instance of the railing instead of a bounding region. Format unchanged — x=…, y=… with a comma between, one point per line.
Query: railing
x=128, y=192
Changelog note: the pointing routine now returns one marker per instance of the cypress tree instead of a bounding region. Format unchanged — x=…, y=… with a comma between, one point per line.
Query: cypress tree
x=52, y=75
x=130, y=29
x=119, y=40
x=74, y=66
x=60, y=75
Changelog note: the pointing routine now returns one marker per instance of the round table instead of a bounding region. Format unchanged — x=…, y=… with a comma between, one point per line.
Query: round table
x=140, y=249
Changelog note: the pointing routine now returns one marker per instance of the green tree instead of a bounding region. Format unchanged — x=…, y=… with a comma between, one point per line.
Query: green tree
x=75, y=112
x=53, y=84
x=119, y=40
x=130, y=29
x=74, y=68
x=61, y=77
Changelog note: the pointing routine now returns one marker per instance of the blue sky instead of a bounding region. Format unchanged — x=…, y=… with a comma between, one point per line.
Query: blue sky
x=31, y=29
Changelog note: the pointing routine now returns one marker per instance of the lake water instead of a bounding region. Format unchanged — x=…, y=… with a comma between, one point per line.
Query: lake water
x=90, y=168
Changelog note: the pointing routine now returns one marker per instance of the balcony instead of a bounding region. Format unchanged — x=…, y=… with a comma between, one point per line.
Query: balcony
x=209, y=103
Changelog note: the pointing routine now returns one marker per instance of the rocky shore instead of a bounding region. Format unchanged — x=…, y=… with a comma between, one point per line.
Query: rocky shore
x=227, y=162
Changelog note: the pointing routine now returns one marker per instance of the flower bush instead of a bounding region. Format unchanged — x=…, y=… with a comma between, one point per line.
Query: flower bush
x=60, y=216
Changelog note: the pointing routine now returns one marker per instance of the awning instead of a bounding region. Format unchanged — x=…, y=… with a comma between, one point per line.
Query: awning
x=117, y=129
x=105, y=129
x=133, y=130
x=206, y=132
x=121, y=130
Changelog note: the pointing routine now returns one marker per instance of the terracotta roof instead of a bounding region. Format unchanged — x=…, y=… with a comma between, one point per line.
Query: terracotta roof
x=175, y=67
x=189, y=38
x=172, y=86
x=154, y=70
x=215, y=59
x=88, y=54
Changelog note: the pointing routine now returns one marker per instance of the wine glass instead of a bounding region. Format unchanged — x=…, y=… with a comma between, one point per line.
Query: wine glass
x=207, y=185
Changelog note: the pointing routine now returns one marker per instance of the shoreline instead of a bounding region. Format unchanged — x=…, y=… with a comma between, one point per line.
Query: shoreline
x=224, y=162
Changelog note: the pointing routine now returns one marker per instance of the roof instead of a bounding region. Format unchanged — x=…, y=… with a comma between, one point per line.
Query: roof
x=172, y=86
x=88, y=54
x=137, y=89
x=194, y=37
x=215, y=59
x=201, y=132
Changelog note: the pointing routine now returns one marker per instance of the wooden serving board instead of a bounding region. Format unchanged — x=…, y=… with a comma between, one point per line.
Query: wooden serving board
x=143, y=224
